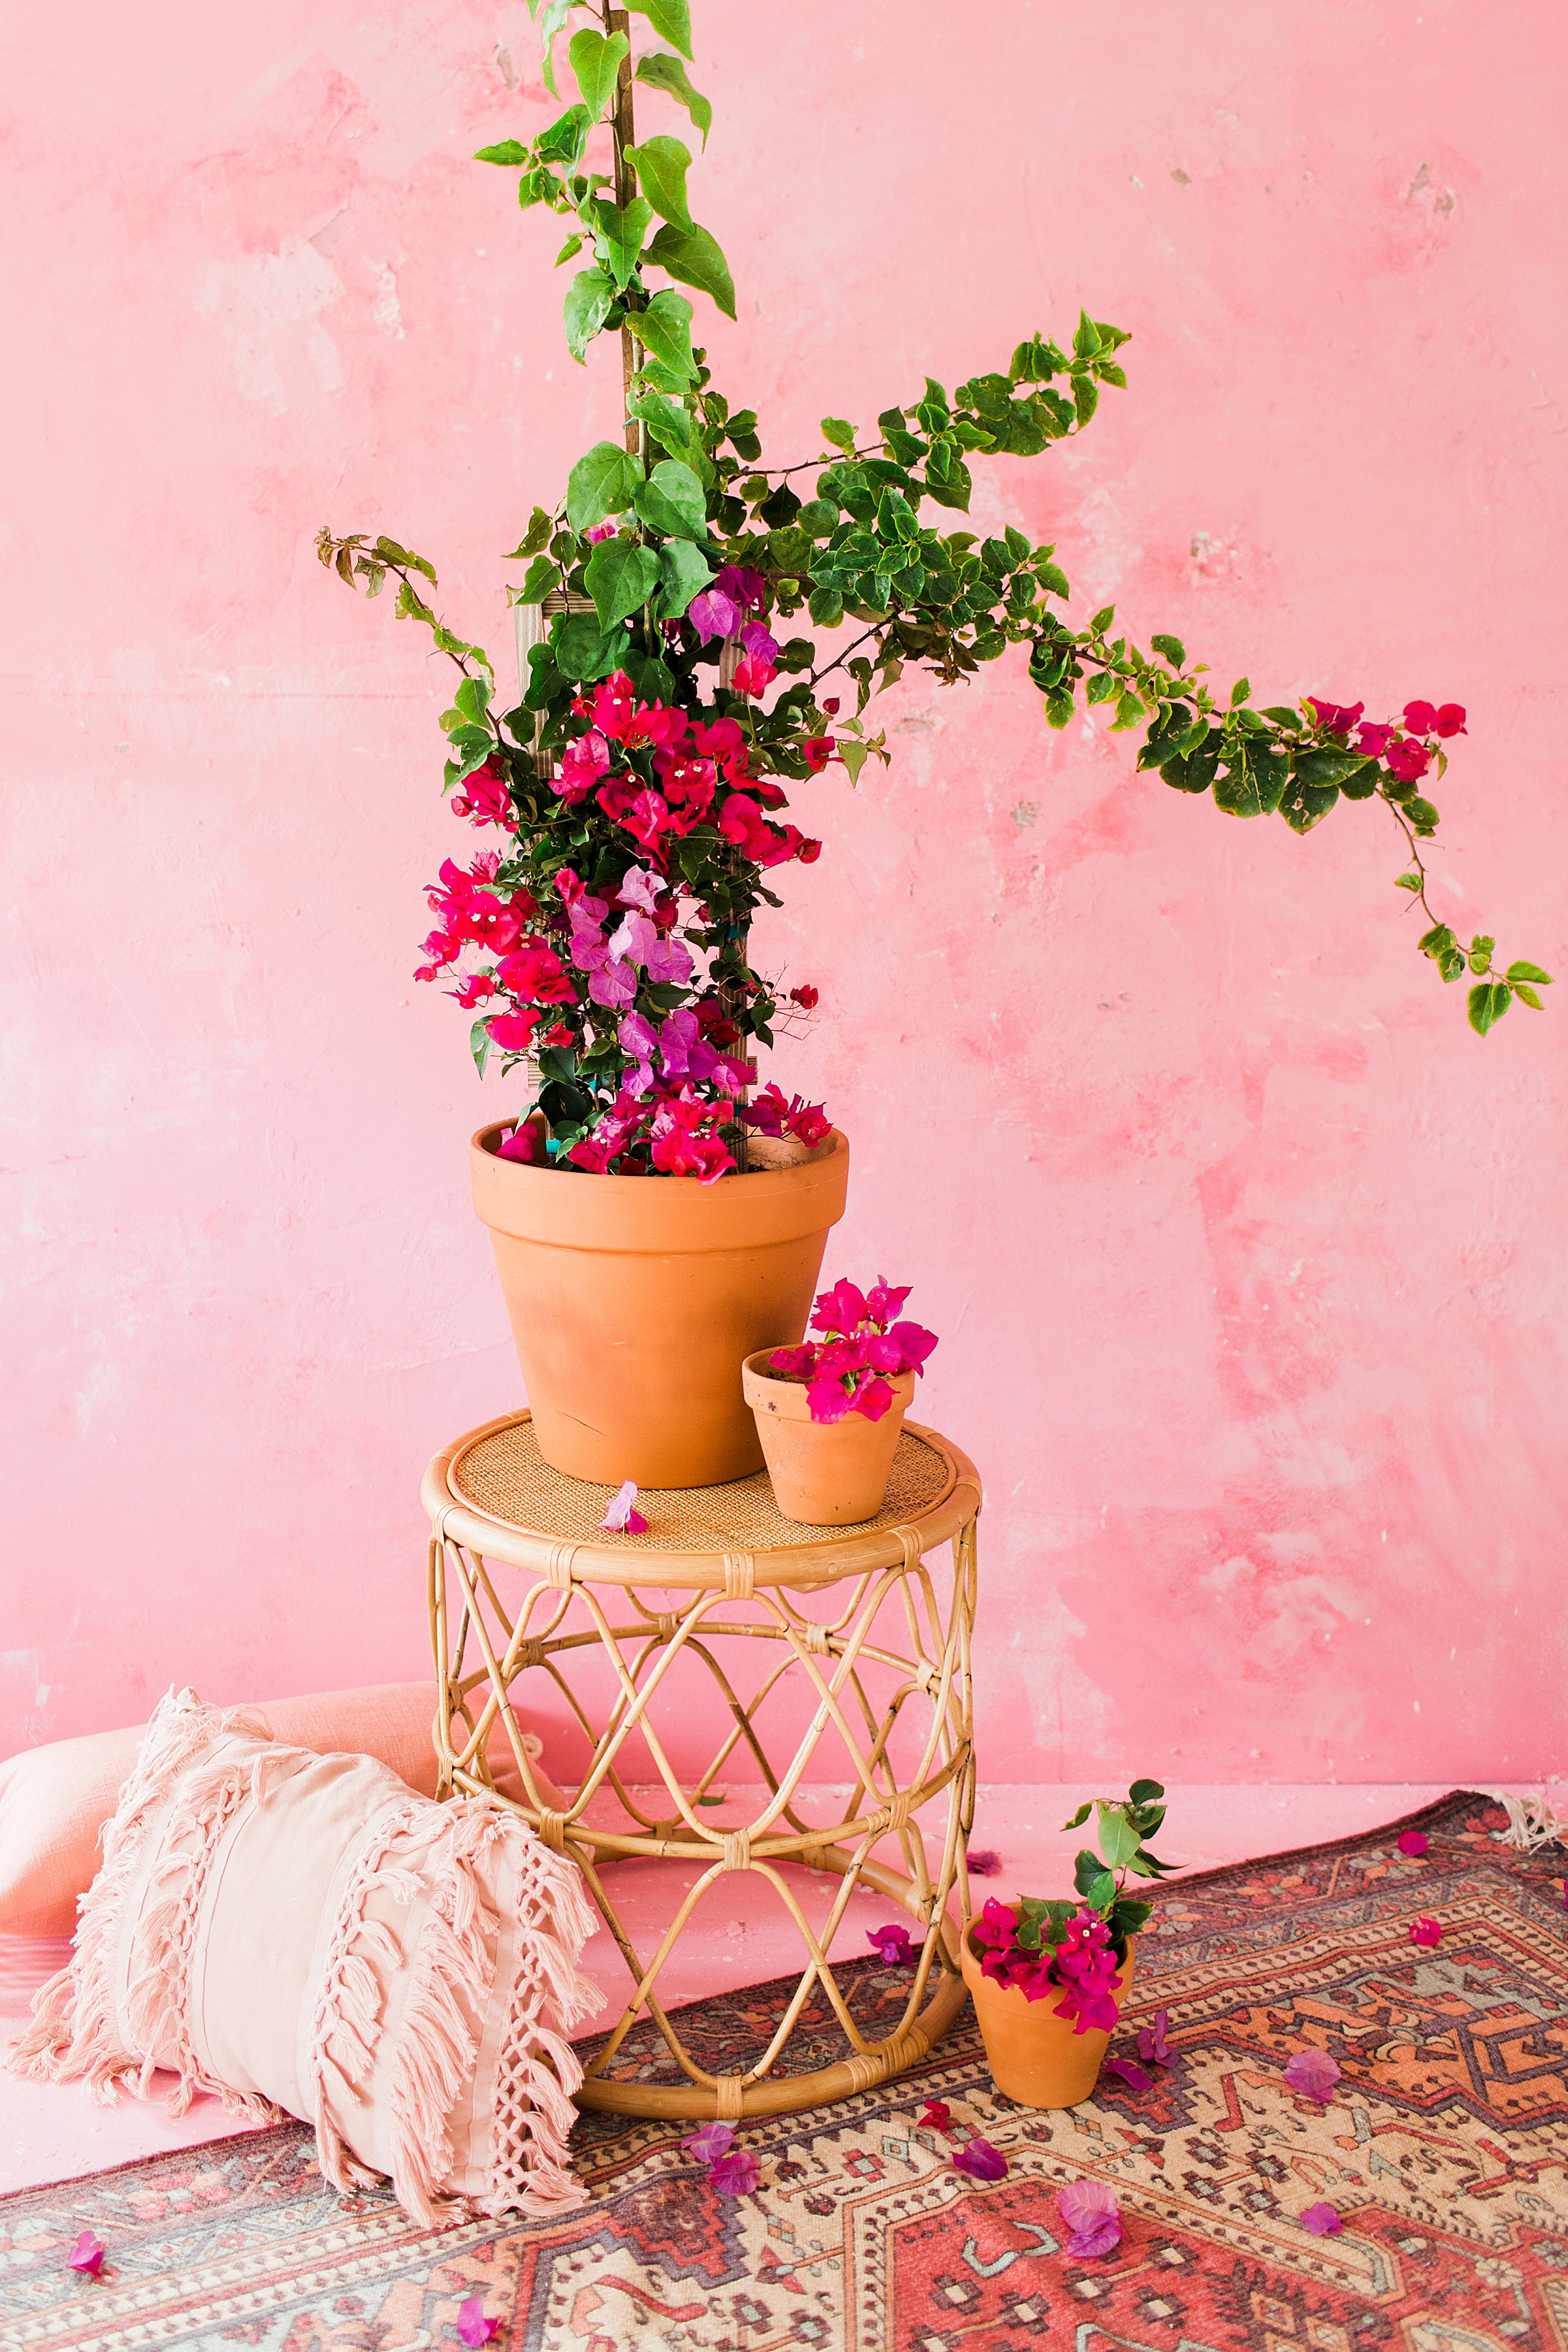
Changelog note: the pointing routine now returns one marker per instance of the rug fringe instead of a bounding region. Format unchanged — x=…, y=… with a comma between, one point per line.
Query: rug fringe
x=1533, y=1822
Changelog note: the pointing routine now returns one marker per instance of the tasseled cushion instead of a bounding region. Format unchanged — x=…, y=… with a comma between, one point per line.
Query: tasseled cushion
x=303, y=1935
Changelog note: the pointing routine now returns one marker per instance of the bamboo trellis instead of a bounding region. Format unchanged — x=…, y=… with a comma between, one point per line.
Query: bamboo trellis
x=887, y=1664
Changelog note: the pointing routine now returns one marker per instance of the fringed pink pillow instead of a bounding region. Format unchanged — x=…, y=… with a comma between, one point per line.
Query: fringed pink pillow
x=303, y=1935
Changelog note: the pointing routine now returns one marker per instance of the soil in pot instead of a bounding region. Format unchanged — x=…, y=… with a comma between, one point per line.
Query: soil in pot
x=1034, y=2055
x=824, y=1473
x=633, y=1299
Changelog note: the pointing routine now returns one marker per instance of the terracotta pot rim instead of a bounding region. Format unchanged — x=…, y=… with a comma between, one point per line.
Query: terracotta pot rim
x=793, y=1403
x=969, y=1947
x=522, y=1171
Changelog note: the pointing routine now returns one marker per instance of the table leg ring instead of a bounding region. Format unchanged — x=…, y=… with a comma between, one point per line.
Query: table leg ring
x=738, y=1855
x=730, y=2092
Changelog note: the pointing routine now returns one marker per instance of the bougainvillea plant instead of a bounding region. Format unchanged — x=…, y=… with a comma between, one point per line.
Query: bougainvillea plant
x=1075, y=1949
x=634, y=795
x=863, y=1347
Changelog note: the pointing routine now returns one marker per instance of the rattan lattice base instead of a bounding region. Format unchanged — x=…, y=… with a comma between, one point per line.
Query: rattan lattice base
x=884, y=1682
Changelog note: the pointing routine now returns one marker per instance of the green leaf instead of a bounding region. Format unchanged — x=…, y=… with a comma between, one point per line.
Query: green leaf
x=1305, y=805
x=683, y=574
x=1529, y=972
x=1253, y=785
x=1321, y=768
x=664, y=330
x=1281, y=714
x=623, y=228
x=542, y=579
x=1085, y=400
x=661, y=165
x=1080, y=1818
x=602, y=482
x=1086, y=340
x=840, y=433
x=567, y=136
x=1172, y=648
x=1128, y=1916
x=594, y=63
x=693, y=257
x=583, y=650
x=472, y=698
x=549, y=24
x=620, y=577
x=509, y=151
x=1086, y=1868
x=479, y=1042
x=1119, y=1841
x=1526, y=994
x=664, y=72
x=1421, y=813
x=588, y=300
x=1487, y=1004
x=672, y=18
x=668, y=422
x=672, y=501
x=573, y=246
x=1407, y=882
x=1102, y=620
x=1240, y=692
x=1101, y=1892
x=854, y=756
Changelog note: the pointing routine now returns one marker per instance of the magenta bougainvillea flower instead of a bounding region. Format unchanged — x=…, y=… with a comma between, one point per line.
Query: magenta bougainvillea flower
x=1334, y=716
x=1091, y=2212
x=1086, y=1968
x=859, y=1353
x=1408, y=760
x=711, y=2142
x=1414, y=1842
x=472, y=2325
x=892, y=1943
x=1322, y=2221
x=1152, y=2046
x=735, y=2174
x=518, y=1143
x=983, y=1863
x=1128, y=2072
x=1448, y=719
x=621, y=1515
x=1426, y=1931
x=935, y=2115
x=981, y=2160
x=87, y=2255
x=1313, y=2075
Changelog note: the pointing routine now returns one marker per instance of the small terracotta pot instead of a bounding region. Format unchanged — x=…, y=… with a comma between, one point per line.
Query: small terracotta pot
x=824, y=1473
x=633, y=1299
x=1034, y=2055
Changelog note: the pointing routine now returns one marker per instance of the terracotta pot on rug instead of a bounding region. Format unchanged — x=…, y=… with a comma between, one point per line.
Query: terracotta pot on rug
x=633, y=1300
x=824, y=1473
x=1034, y=2055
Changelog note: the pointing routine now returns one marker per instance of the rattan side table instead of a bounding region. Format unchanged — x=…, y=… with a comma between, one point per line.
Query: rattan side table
x=882, y=1668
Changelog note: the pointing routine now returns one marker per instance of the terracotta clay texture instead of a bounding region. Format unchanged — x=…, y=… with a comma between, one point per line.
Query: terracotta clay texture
x=1034, y=2055
x=633, y=1299
x=824, y=1473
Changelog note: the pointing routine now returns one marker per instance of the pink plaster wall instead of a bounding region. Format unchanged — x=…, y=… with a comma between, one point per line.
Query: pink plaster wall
x=1246, y=1257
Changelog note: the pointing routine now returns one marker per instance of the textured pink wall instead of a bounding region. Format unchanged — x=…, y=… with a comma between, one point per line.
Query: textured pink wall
x=1246, y=1255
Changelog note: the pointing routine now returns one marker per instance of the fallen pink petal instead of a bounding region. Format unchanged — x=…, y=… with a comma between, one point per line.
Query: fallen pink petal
x=87, y=2255
x=1414, y=1842
x=1152, y=2046
x=983, y=1863
x=472, y=2325
x=714, y=2141
x=621, y=1518
x=935, y=2115
x=1128, y=2072
x=735, y=2174
x=981, y=2160
x=1313, y=2073
x=892, y=1944
x=1426, y=1931
x=1322, y=2221
x=1092, y=2213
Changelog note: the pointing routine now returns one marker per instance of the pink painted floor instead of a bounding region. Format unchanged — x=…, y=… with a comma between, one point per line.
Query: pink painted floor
x=739, y=1936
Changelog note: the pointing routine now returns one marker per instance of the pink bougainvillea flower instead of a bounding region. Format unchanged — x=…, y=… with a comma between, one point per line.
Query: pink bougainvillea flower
x=735, y=2174
x=817, y=750
x=1450, y=719
x=913, y=1345
x=981, y=2160
x=935, y=2115
x=1408, y=760
x=746, y=586
x=808, y=998
x=512, y=1032
x=1414, y=1842
x=1322, y=2221
x=586, y=759
x=1092, y=2214
x=1420, y=717
x=517, y=1143
x=1426, y=1931
x=711, y=2142
x=1373, y=739
x=872, y=1399
x=758, y=642
x=892, y=1944
x=753, y=675
x=472, y=2325
x=87, y=2255
x=829, y=1401
x=883, y=1303
x=1313, y=2073
x=793, y=1363
x=621, y=1518
x=1152, y=2046
x=983, y=1863
x=600, y=531
x=483, y=796
x=1335, y=716
x=684, y=1154
x=842, y=1308
x=714, y=614
x=535, y=972
x=1128, y=2072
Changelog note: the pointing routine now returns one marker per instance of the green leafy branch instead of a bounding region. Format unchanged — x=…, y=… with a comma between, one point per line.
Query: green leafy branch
x=469, y=725
x=1100, y=1877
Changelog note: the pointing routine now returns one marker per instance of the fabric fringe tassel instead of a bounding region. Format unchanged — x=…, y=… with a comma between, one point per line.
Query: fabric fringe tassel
x=1533, y=1822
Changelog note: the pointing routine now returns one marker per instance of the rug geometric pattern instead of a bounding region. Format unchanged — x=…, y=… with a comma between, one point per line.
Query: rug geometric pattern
x=1444, y=2150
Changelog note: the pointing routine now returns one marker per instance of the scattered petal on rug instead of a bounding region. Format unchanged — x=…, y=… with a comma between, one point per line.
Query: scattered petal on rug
x=1441, y=2154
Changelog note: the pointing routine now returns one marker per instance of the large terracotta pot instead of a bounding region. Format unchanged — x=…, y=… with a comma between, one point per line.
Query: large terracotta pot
x=1034, y=2055
x=824, y=1473
x=633, y=1299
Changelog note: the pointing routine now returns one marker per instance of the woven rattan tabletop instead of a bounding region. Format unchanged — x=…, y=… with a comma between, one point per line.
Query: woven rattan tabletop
x=509, y=1502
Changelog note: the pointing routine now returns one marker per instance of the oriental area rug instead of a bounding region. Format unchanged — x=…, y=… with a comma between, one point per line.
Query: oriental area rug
x=1441, y=2147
